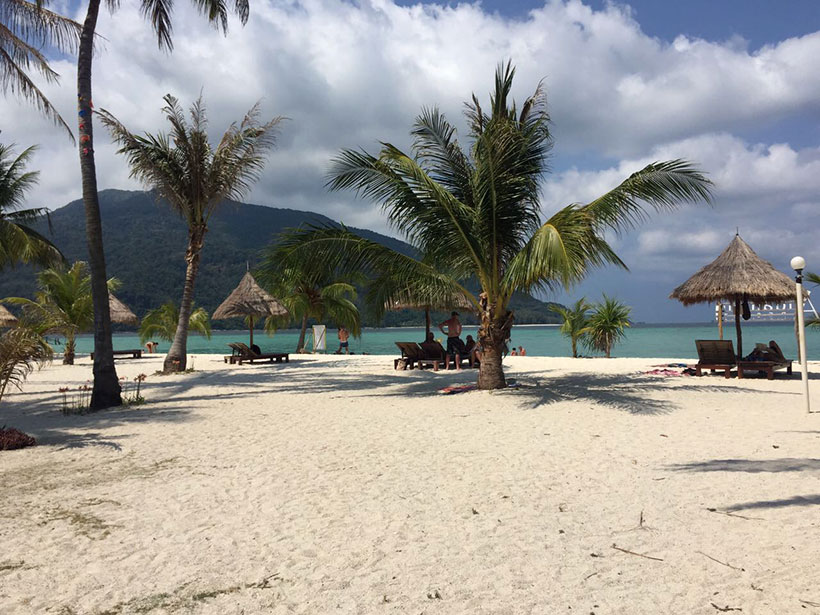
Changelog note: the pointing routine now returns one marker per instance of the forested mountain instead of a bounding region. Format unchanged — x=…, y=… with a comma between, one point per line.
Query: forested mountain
x=145, y=248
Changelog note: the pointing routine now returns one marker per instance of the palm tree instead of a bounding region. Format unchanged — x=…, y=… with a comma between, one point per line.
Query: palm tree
x=62, y=304
x=162, y=322
x=575, y=322
x=194, y=178
x=309, y=289
x=477, y=215
x=19, y=243
x=606, y=325
x=25, y=29
x=106, y=390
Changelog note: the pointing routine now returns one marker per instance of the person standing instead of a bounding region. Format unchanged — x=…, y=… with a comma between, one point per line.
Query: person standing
x=453, y=330
x=343, y=335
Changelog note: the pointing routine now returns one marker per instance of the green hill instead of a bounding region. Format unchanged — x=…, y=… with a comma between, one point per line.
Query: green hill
x=145, y=248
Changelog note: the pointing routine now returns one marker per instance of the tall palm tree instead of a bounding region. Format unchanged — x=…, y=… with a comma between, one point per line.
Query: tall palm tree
x=309, y=289
x=607, y=325
x=62, y=304
x=19, y=243
x=25, y=29
x=477, y=214
x=575, y=322
x=194, y=178
x=162, y=322
x=106, y=390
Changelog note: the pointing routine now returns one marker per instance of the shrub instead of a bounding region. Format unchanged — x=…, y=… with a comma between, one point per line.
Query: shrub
x=11, y=439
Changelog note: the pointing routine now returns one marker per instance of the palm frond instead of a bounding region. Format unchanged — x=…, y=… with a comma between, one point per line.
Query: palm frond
x=664, y=186
x=21, y=351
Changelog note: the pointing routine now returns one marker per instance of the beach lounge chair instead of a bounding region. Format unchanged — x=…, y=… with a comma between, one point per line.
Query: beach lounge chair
x=766, y=367
x=134, y=353
x=413, y=355
x=242, y=354
x=715, y=355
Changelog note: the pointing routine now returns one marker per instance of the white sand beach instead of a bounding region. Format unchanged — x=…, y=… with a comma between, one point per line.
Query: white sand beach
x=337, y=485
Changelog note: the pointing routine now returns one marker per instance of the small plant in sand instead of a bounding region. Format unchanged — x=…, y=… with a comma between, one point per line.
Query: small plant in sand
x=75, y=402
x=131, y=390
x=11, y=439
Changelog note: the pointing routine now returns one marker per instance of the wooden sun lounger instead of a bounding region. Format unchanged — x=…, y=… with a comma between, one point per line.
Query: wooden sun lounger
x=766, y=367
x=413, y=355
x=134, y=353
x=715, y=355
x=243, y=354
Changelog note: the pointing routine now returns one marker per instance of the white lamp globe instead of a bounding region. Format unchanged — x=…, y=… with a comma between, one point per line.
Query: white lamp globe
x=798, y=263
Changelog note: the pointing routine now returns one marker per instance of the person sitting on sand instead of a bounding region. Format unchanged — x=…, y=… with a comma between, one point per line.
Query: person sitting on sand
x=343, y=336
x=514, y=352
x=522, y=352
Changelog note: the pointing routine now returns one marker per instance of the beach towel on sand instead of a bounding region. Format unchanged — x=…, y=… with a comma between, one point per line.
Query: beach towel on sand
x=457, y=388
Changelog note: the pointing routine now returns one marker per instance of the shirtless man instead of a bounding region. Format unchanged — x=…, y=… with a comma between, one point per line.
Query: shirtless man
x=454, y=344
x=343, y=335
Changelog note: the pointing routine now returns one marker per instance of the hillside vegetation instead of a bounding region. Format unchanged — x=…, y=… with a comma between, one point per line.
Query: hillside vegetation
x=145, y=249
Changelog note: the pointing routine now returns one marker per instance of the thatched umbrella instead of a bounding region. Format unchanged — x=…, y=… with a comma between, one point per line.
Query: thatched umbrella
x=249, y=299
x=7, y=319
x=737, y=275
x=120, y=312
x=407, y=301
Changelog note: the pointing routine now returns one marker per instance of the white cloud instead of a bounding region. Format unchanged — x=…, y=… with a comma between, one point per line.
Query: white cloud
x=350, y=75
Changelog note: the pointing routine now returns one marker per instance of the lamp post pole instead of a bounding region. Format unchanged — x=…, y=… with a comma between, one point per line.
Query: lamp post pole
x=798, y=263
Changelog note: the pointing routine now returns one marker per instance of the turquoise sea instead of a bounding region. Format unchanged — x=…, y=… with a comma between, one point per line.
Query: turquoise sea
x=660, y=341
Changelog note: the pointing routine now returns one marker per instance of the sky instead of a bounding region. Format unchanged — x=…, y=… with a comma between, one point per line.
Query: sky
x=731, y=85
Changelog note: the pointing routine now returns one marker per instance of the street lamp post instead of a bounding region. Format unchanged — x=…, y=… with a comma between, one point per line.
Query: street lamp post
x=798, y=263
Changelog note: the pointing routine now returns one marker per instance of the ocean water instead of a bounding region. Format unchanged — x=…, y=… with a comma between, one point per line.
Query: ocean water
x=659, y=341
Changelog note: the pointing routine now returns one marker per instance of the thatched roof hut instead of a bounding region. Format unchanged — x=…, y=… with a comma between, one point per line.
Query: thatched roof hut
x=7, y=319
x=249, y=299
x=737, y=275
x=408, y=301
x=120, y=312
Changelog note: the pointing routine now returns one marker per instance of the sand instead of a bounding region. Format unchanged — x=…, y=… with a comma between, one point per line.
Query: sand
x=337, y=485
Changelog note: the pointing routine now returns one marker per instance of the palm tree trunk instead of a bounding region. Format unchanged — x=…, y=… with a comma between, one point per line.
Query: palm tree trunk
x=106, y=389
x=68, y=353
x=176, y=359
x=574, y=348
x=300, y=345
x=492, y=334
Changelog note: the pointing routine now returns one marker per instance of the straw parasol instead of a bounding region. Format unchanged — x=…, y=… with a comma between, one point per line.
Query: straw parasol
x=249, y=299
x=737, y=275
x=408, y=301
x=120, y=312
x=7, y=319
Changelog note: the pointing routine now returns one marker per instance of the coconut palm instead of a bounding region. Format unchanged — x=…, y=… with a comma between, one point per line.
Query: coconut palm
x=476, y=215
x=575, y=322
x=607, y=324
x=21, y=350
x=62, y=304
x=309, y=289
x=194, y=178
x=106, y=389
x=19, y=243
x=162, y=322
x=25, y=29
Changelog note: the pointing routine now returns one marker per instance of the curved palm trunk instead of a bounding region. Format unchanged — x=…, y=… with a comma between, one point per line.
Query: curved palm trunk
x=574, y=348
x=106, y=389
x=492, y=333
x=176, y=359
x=300, y=345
